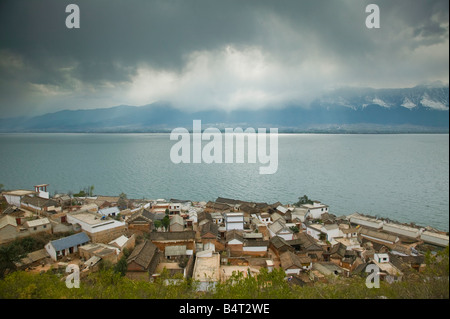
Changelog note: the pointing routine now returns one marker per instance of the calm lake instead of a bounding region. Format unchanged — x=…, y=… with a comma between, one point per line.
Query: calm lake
x=401, y=176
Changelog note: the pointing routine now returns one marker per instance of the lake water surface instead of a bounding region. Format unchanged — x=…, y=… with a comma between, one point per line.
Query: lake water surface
x=404, y=177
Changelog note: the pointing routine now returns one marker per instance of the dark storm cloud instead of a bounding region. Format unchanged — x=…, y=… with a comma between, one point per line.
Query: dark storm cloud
x=141, y=51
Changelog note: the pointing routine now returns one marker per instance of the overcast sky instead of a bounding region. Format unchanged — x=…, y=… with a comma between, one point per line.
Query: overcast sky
x=201, y=54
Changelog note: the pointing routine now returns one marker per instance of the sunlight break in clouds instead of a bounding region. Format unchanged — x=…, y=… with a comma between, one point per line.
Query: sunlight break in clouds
x=229, y=79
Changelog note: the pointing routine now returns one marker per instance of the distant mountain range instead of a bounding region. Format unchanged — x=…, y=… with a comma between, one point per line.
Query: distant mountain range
x=422, y=108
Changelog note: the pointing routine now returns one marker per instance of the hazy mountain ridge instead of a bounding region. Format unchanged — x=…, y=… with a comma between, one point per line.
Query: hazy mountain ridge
x=419, y=109
x=427, y=96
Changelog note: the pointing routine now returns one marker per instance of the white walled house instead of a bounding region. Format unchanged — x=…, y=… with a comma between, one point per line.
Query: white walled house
x=234, y=221
x=324, y=232
x=332, y=231
x=299, y=214
x=256, y=247
x=280, y=229
x=15, y=197
x=65, y=246
x=381, y=258
x=315, y=210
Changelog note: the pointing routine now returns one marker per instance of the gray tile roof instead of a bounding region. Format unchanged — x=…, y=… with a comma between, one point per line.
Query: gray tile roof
x=70, y=241
x=177, y=236
x=143, y=254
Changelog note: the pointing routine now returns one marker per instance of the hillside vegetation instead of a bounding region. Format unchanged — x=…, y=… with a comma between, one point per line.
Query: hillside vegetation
x=108, y=283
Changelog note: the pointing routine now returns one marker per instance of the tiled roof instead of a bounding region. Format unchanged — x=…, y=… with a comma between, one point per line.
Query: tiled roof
x=278, y=242
x=178, y=235
x=38, y=201
x=70, y=241
x=211, y=228
x=37, y=222
x=289, y=260
x=235, y=234
x=7, y=220
x=378, y=235
x=176, y=219
x=143, y=254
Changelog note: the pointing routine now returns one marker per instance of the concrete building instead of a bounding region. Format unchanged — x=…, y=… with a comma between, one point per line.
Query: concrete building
x=401, y=230
x=378, y=237
x=315, y=210
x=365, y=221
x=434, y=238
x=234, y=221
x=207, y=270
x=99, y=229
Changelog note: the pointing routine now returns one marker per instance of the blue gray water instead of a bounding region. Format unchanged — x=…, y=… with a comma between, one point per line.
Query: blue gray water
x=403, y=177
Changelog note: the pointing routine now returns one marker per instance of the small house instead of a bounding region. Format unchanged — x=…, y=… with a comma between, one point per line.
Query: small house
x=280, y=229
x=293, y=264
x=234, y=221
x=38, y=225
x=8, y=229
x=315, y=210
x=143, y=261
x=279, y=245
x=140, y=221
x=176, y=223
x=67, y=245
x=235, y=240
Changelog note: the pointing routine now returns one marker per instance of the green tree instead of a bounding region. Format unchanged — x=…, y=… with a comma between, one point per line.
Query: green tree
x=121, y=266
x=294, y=229
x=9, y=255
x=157, y=223
x=122, y=202
x=166, y=222
x=303, y=200
x=81, y=193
